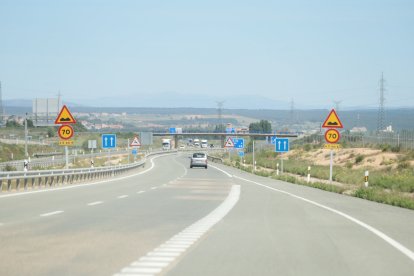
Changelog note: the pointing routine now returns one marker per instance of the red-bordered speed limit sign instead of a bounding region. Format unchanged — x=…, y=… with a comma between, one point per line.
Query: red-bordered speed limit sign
x=65, y=132
x=332, y=136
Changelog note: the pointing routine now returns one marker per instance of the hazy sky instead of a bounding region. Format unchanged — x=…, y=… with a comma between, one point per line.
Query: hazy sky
x=310, y=51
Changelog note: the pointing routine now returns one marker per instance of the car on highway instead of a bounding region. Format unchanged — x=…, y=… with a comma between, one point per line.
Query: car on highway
x=198, y=159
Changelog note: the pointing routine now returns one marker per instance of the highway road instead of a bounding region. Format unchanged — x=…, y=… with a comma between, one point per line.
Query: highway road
x=167, y=219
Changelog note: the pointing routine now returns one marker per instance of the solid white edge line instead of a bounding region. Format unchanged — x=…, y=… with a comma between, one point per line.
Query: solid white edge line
x=383, y=236
x=226, y=173
x=81, y=185
x=51, y=213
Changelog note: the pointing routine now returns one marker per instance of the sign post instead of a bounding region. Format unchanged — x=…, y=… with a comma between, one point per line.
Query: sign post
x=65, y=131
x=281, y=145
x=332, y=136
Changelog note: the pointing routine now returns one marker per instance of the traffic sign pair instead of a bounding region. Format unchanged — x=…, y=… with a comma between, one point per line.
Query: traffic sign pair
x=237, y=143
x=332, y=122
x=65, y=131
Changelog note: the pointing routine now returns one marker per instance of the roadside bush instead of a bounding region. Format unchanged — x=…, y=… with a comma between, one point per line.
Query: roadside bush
x=9, y=168
x=382, y=197
x=359, y=159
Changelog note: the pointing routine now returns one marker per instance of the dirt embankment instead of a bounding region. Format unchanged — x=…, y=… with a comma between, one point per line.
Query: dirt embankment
x=357, y=157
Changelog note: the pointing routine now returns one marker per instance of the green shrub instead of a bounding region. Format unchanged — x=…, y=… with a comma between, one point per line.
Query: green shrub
x=359, y=159
x=376, y=195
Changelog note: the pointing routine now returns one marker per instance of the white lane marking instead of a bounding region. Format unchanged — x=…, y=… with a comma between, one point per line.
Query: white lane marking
x=80, y=185
x=157, y=259
x=141, y=270
x=153, y=188
x=154, y=264
x=164, y=254
x=51, y=213
x=140, y=192
x=226, y=173
x=95, y=203
x=177, y=245
x=123, y=196
x=389, y=240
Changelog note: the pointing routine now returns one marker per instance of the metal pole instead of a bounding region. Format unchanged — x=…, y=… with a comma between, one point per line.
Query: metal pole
x=66, y=157
x=330, y=168
x=281, y=162
x=128, y=150
x=25, y=137
x=254, y=161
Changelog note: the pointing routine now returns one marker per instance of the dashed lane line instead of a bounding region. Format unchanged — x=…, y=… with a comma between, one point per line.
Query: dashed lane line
x=123, y=196
x=95, y=203
x=140, y=192
x=51, y=213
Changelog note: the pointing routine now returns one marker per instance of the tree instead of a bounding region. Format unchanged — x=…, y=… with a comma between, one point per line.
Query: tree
x=263, y=126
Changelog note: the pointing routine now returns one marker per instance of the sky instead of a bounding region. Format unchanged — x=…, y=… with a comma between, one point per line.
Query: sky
x=135, y=53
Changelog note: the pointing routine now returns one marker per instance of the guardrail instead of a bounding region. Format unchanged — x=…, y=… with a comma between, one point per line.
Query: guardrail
x=215, y=159
x=52, y=178
x=45, y=162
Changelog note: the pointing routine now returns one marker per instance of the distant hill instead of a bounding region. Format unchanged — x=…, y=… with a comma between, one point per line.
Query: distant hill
x=399, y=118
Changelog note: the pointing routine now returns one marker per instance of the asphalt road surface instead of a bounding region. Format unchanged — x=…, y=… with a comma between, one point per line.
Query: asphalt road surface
x=167, y=219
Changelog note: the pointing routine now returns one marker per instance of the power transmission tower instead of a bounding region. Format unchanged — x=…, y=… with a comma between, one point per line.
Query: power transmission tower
x=1, y=108
x=292, y=112
x=220, y=114
x=381, y=111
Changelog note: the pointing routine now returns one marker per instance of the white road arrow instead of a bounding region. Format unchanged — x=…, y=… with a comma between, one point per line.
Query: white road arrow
x=284, y=145
x=112, y=140
x=106, y=141
x=278, y=144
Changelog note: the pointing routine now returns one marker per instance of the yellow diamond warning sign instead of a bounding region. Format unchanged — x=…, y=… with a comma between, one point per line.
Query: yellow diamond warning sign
x=65, y=117
x=332, y=121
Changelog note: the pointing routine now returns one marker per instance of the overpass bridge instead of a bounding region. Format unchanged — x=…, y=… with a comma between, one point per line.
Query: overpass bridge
x=222, y=135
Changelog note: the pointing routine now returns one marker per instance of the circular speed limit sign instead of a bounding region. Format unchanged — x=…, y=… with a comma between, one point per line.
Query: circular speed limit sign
x=65, y=132
x=332, y=136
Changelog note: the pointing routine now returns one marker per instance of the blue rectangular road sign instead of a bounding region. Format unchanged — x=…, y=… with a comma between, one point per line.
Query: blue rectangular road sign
x=108, y=141
x=273, y=140
x=241, y=153
x=172, y=130
x=238, y=143
x=281, y=145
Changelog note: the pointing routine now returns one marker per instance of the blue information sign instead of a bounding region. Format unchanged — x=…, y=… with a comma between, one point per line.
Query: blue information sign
x=238, y=143
x=172, y=130
x=281, y=145
x=108, y=141
x=134, y=151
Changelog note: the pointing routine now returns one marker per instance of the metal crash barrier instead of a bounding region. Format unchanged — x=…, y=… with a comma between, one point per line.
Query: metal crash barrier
x=18, y=180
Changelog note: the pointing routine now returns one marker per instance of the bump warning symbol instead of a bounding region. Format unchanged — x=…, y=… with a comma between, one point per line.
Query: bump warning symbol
x=332, y=121
x=65, y=117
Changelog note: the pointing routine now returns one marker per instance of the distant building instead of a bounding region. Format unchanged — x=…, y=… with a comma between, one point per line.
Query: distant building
x=358, y=130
